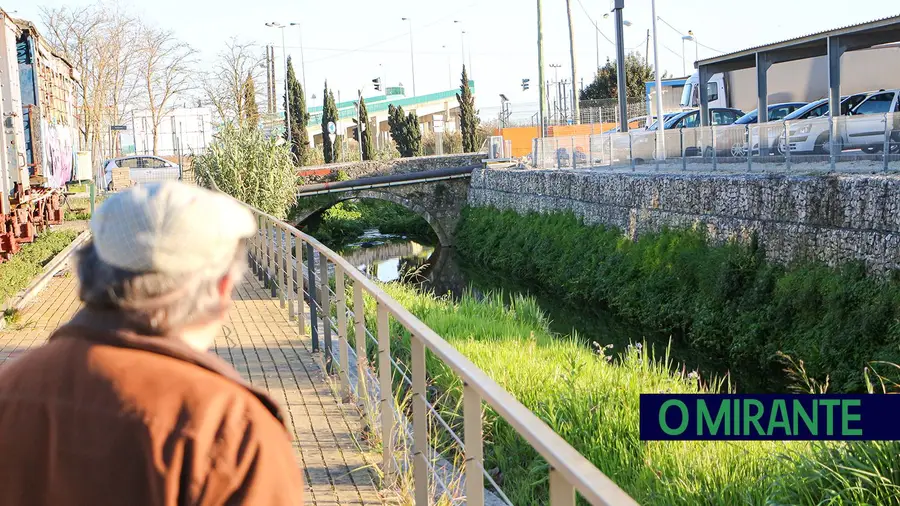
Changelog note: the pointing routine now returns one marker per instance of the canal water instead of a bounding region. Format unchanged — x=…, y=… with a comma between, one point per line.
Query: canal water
x=389, y=258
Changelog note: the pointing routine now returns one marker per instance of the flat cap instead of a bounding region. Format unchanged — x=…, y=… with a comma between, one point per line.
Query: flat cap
x=170, y=227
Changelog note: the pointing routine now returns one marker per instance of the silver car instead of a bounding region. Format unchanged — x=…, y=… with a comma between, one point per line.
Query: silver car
x=142, y=169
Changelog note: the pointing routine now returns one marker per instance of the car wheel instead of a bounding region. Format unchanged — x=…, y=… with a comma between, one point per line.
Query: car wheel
x=781, y=146
x=708, y=152
x=823, y=145
x=738, y=151
x=871, y=150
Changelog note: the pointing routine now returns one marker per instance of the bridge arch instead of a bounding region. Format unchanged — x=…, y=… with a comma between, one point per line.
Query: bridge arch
x=445, y=237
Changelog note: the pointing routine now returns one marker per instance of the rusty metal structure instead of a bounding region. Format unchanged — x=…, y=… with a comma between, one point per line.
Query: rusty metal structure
x=39, y=135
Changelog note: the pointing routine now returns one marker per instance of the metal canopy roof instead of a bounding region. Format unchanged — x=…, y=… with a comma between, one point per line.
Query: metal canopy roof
x=861, y=36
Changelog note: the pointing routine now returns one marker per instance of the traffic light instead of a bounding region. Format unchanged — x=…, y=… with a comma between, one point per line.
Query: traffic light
x=525, y=84
x=377, y=83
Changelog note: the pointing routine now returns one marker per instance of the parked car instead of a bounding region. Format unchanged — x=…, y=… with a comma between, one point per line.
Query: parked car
x=809, y=129
x=644, y=147
x=868, y=133
x=735, y=142
x=143, y=169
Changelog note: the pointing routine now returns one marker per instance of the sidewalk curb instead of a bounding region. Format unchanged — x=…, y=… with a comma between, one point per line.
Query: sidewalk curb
x=55, y=265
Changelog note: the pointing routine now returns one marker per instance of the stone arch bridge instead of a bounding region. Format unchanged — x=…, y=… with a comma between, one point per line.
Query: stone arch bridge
x=438, y=196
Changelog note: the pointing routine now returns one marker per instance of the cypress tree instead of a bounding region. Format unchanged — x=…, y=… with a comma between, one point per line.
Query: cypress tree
x=405, y=131
x=368, y=147
x=299, y=117
x=468, y=117
x=329, y=114
x=250, y=114
x=413, y=135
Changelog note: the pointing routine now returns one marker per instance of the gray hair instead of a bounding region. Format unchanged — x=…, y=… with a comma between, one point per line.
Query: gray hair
x=154, y=303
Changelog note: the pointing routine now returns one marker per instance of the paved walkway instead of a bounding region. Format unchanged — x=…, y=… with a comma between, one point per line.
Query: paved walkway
x=265, y=348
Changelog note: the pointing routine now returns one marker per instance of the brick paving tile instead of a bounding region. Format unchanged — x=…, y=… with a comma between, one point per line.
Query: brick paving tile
x=266, y=348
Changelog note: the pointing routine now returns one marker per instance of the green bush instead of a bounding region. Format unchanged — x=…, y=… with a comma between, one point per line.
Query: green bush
x=724, y=301
x=345, y=221
x=21, y=268
x=254, y=169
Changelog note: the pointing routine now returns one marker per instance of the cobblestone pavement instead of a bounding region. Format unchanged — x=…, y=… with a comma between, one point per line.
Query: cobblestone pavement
x=266, y=349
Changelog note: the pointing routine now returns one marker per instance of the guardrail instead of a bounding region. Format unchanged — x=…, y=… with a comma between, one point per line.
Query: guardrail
x=388, y=180
x=836, y=143
x=277, y=256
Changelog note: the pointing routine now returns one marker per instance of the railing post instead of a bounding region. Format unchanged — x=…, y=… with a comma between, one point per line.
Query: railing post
x=264, y=252
x=630, y=151
x=715, y=158
x=474, y=446
x=832, y=145
x=301, y=299
x=290, y=270
x=610, y=150
x=273, y=261
x=387, y=396
x=343, y=350
x=420, y=422
x=681, y=142
x=313, y=316
x=254, y=249
x=562, y=493
x=325, y=302
x=282, y=266
x=887, y=142
x=747, y=134
x=786, y=144
x=362, y=358
x=574, y=157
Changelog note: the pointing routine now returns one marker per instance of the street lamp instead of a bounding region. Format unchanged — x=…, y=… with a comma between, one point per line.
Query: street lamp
x=462, y=38
x=302, y=58
x=689, y=36
x=412, y=58
x=287, y=91
x=617, y=7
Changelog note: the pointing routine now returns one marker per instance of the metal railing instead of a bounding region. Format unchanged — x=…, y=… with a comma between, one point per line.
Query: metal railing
x=277, y=256
x=846, y=143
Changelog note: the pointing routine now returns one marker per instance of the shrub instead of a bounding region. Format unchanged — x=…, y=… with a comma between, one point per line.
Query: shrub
x=243, y=163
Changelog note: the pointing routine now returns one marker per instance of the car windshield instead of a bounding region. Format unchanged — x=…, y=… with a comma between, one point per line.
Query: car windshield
x=686, y=95
x=666, y=118
x=801, y=112
x=750, y=117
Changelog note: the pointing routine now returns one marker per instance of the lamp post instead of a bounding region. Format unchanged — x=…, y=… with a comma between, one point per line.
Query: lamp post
x=542, y=98
x=617, y=6
x=660, y=129
x=287, y=91
x=302, y=58
x=689, y=36
x=412, y=58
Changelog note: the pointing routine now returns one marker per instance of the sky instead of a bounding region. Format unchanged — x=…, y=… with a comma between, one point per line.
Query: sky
x=350, y=42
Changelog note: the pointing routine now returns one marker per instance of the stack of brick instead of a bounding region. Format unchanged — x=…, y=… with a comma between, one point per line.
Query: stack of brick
x=121, y=179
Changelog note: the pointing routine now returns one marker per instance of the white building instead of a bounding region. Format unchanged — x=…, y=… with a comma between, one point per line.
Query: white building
x=189, y=129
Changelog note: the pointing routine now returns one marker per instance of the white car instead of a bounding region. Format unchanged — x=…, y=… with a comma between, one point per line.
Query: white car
x=143, y=169
x=865, y=128
x=809, y=125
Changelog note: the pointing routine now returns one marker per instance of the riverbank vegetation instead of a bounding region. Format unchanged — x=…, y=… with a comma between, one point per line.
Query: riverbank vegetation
x=593, y=403
x=724, y=301
x=346, y=221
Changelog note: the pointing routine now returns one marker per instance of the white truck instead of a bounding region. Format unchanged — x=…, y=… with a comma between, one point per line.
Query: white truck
x=800, y=80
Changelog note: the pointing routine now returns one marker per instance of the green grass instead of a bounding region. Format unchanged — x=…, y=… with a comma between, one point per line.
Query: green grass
x=593, y=403
x=18, y=271
x=726, y=302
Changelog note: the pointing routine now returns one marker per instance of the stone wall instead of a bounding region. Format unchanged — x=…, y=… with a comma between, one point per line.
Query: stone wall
x=831, y=218
x=372, y=168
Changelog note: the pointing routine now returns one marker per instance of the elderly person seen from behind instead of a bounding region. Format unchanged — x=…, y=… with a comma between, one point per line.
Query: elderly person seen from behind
x=124, y=404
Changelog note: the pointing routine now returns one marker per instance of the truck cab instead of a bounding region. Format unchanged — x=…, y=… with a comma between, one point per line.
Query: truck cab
x=715, y=90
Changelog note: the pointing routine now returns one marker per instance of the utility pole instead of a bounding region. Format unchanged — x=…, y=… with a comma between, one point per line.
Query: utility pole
x=618, y=5
x=647, y=45
x=287, y=91
x=541, y=92
x=412, y=58
x=556, y=103
x=660, y=129
x=575, y=114
x=302, y=58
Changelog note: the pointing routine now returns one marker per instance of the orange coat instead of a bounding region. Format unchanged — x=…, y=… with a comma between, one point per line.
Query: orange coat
x=101, y=415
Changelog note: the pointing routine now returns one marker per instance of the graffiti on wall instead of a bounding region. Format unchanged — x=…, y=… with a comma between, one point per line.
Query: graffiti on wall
x=58, y=154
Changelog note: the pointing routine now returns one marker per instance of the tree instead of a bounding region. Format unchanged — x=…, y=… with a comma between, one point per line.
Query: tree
x=368, y=147
x=250, y=117
x=329, y=115
x=605, y=85
x=299, y=117
x=468, y=117
x=224, y=85
x=166, y=72
x=254, y=169
x=101, y=43
x=405, y=131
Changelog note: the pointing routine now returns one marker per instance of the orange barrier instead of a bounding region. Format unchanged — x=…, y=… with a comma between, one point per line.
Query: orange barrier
x=522, y=137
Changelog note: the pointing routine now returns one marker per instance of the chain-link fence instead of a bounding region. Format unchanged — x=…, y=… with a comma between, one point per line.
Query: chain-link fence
x=862, y=143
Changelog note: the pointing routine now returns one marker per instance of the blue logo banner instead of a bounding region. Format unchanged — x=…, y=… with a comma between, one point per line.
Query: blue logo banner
x=685, y=417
